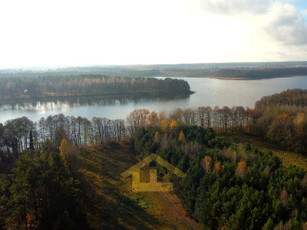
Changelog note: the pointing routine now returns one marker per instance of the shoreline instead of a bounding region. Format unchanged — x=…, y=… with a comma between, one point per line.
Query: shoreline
x=102, y=96
x=236, y=78
x=252, y=79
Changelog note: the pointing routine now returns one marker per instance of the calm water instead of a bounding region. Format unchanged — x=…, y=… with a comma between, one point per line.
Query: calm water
x=209, y=92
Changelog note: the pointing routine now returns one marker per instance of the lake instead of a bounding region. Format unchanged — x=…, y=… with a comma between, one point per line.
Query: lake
x=208, y=92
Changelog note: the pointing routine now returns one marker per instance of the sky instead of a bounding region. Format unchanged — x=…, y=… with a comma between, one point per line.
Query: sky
x=58, y=33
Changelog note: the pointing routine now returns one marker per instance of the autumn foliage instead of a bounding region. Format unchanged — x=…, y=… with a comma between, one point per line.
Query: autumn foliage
x=173, y=124
x=207, y=163
x=181, y=136
x=164, y=124
x=65, y=152
x=217, y=168
x=241, y=169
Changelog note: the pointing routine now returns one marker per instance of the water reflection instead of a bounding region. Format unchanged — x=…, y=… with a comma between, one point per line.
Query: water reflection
x=63, y=105
x=209, y=92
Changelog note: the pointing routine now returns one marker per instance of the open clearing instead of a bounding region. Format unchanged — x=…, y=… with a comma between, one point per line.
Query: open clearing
x=112, y=203
x=288, y=158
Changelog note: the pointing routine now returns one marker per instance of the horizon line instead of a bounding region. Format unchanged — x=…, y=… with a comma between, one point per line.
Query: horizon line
x=54, y=67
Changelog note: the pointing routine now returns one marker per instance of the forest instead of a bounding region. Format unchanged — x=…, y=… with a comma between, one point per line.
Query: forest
x=280, y=118
x=63, y=86
x=243, y=70
x=227, y=186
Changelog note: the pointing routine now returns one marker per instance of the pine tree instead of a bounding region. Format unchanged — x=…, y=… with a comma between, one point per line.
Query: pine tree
x=31, y=140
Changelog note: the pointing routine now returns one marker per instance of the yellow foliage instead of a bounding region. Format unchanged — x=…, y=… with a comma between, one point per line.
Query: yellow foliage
x=241, y=169
x=173, y=124
x=282, y=116
x=207, y=163
x=181, y=137
x=164, y=125
x=217, y=168
x=65, y=151
x=157, y=135
x=300, y=118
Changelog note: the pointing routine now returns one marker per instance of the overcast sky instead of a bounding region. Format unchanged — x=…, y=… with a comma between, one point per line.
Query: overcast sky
x=101, y=32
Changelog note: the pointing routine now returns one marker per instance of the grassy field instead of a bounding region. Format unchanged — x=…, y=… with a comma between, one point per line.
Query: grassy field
x=110, y=203
x=288, y=158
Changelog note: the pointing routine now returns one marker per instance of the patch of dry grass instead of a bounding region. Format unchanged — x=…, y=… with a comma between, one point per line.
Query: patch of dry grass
x=112, y=204
x=288, y=158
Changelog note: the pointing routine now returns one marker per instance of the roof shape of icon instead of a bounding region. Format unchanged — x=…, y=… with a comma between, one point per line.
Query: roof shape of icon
x=148, y=160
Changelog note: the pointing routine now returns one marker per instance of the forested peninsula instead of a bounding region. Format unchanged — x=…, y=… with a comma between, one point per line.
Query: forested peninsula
x=87, y=85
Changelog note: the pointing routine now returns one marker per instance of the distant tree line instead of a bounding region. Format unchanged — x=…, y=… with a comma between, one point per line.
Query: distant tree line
x=30, y=88
x=250, y=73
x=290, y=97
x=261, y=73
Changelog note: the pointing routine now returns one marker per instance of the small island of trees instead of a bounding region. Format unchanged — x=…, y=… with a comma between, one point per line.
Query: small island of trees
x=87, y=85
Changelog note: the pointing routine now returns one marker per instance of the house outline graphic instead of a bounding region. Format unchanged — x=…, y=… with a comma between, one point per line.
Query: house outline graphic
x=153, y=185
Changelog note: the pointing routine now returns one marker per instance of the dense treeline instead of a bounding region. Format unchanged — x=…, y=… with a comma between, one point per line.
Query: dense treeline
x=40, y=193
x=261, y=73
x=285, y=125
x=20, y=134
x=293, y=97
x=247, y=70
x=28, y=88
x=282, y=119
x=228, y=187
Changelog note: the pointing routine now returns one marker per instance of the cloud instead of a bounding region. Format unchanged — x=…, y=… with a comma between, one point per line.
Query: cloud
x=236, y=6
x=287, y=25
x=280, y=19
